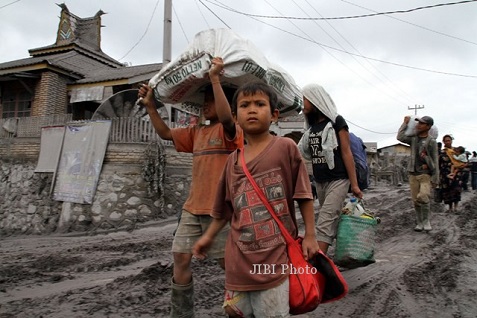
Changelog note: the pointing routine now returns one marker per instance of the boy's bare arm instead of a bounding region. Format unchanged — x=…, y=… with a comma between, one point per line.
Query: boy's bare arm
x=348, y=161
x=310, y=245
x=222, y=106
x=147, y=95
x=200, y=248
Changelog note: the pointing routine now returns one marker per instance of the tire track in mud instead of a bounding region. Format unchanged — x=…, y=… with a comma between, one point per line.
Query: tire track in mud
x=416, y=274
x=55, y=266
x=370, y=291
x=439, y=279
x=71, y=268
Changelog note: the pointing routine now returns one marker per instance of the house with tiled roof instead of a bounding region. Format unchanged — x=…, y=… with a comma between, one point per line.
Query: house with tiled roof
x=72, y=76
x=55, y=91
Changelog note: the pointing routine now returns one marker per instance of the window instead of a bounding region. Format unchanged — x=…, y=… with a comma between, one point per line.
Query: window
x=15, y=103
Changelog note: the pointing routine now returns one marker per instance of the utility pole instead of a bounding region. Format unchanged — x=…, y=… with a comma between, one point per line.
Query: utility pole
x=166, y=46
x=416, y=107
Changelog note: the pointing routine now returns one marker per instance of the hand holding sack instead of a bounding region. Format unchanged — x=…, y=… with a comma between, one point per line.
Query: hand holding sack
x=181, y=82
x=411, y=128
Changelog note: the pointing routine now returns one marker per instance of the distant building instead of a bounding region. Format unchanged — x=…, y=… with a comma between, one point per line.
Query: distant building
x=63, y=85
x=290, y=126
x=371, y=147
x=72, y=76
x=399, y=149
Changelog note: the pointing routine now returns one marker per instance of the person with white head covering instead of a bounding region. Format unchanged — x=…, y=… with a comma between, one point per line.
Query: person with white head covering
x=326, y=143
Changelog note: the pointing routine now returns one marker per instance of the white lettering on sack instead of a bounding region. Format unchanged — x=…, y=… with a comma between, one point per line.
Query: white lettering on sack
x=183, y=72
x=277, y=82
x=254, y=69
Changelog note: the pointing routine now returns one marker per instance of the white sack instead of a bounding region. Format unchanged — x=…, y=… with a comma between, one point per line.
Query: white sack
x=411, y=128
x=181, y=81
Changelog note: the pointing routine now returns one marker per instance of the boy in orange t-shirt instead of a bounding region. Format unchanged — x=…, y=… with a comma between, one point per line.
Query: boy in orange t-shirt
x=210, y=146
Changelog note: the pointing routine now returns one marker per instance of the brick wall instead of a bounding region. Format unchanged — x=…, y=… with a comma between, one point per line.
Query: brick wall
x=20, y=148
x=130, y=153
x=50, y=95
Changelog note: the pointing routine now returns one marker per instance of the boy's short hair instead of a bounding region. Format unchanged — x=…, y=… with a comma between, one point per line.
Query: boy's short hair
x=461, y=149
x=228, y=91
x=254, y=87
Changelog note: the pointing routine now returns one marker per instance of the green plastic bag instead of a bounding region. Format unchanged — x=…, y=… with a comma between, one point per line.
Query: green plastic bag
x=355, y=241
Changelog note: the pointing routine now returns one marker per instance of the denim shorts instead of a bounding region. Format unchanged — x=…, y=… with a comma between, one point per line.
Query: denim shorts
x=271, y=302
x=190, y=229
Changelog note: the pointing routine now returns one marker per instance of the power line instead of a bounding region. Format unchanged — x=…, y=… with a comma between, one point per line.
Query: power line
x=352, y=17
x=375, y=132
x=180, y=24
x=377, y=71
x=416, y=25
x=8, y=4
x=301, y=37
x=202, y=14
x=345, y=17
x=144, y=34
x=360, y=55
x=402, y=11
x=217, y=15
x=327, y=51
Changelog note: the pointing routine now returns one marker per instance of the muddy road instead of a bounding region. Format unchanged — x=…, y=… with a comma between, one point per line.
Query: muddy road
x=127, y=274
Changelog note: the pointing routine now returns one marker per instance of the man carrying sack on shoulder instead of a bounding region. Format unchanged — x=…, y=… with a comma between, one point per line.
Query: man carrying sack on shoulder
x=423, y=168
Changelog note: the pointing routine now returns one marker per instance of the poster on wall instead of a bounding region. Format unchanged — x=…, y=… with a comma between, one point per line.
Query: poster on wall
x=84, y=147
x=50, y=148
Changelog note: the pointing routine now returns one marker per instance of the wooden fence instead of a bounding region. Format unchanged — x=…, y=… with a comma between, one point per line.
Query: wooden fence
x=30, y=126
x=123, y=129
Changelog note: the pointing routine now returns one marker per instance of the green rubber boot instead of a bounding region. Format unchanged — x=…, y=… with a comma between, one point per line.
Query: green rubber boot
x=419, y=226
x=182, y=300
x=426, y=213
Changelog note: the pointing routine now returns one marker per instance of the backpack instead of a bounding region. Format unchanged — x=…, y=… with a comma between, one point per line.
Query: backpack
x=359, y=154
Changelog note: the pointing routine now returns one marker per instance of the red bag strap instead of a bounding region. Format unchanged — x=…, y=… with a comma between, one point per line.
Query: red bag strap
x=288, y=238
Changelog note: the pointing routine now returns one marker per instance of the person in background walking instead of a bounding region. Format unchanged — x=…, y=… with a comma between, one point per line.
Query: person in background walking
x=473, y=170
x=466, y=172
x=451, y=189
x=327, y=144
x=422, y=168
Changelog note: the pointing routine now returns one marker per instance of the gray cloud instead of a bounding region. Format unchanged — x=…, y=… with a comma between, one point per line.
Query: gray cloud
x=368, y=93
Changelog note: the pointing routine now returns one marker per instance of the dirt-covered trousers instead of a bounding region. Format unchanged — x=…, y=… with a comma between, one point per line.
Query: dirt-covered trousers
x=420, y=188
x=474, y=180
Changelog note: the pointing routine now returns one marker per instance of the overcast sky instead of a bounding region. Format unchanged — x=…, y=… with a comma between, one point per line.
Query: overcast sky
x=375, y=68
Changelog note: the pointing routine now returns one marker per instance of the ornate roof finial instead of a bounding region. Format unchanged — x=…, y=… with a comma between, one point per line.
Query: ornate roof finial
x=63, y=6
